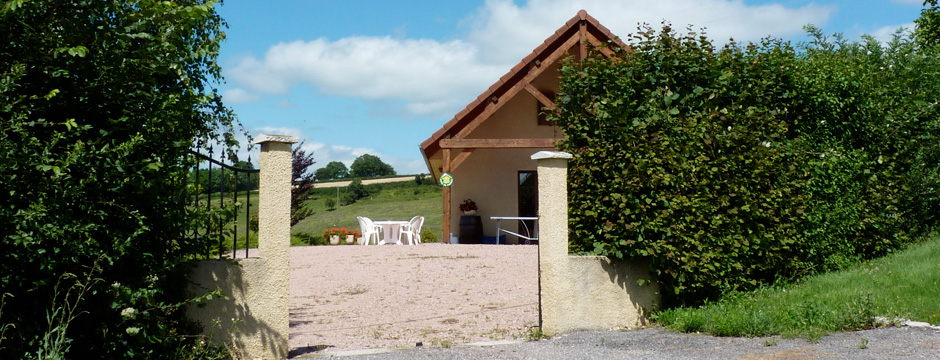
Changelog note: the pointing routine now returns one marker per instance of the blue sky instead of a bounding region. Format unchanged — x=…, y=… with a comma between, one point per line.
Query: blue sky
x=379, y=77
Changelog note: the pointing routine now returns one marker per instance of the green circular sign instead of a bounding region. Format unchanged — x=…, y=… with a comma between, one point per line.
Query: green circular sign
x=446, y=179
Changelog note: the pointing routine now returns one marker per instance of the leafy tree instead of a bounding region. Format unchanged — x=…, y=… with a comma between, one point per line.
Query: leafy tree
x=370, y=166
x=303, y=183
x=355, y=191
x=210, y=181
x=736, y=165
x=100, y=104
x=928, y=24
x=333, y=170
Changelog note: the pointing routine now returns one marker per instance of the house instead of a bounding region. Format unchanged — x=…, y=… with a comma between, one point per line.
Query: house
x=486, y=147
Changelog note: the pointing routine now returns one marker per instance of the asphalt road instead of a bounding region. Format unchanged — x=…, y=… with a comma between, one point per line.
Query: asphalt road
x=657, y=343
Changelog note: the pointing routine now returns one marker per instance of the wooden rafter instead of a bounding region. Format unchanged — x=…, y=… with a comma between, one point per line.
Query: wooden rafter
x=460, y=158
x=600, y=47
x=544, y=100
x=534, y=72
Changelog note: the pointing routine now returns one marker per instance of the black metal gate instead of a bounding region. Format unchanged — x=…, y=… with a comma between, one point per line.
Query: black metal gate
x=220, y=218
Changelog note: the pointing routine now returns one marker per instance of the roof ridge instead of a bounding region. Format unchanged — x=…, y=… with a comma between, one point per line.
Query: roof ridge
x=502, y=82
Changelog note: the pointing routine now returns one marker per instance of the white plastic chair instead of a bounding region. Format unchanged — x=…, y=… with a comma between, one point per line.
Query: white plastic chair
x=412, y=231
x=369, y=230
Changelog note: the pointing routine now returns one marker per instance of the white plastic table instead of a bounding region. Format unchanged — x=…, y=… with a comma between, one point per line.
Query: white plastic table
x=528, y=240
x=390, y=231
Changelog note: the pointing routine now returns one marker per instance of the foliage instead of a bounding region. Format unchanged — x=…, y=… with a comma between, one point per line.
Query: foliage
x=303, y=180
x=100, y=104
x=215, y=179
x=354, y=192
x=467, y=205
x=333, y=170
x=735, y=166
x=310, y=239
x=899, y=285
x=330, y=203
x=423, y=179
x=428, y=235
x=370, y=166
x=928, y=24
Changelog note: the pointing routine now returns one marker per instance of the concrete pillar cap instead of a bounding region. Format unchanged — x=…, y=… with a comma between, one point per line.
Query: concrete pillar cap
x=263, y=138
x=551, y=155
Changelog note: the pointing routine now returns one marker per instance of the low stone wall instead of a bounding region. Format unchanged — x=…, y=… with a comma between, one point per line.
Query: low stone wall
x=250, y=320
x=582, y=292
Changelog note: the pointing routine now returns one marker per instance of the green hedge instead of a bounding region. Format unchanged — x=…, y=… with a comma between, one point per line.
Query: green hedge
x=735, y=165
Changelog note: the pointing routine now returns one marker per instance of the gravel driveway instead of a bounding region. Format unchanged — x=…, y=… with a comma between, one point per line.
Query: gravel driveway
x=656, y=343
x=360, y=297
x=479, y=302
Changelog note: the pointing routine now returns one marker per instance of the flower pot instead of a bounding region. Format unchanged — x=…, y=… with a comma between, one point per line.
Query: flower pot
x=334, y=239
x=470, y=212
x=350, y=239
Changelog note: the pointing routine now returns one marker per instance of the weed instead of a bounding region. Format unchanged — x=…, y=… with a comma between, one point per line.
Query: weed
x=535, y=334
x=4, y=327
x=770, y=342
x=54, y=343
x=864, y=344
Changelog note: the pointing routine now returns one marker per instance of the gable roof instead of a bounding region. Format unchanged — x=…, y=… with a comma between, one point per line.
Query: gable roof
x=582, y=28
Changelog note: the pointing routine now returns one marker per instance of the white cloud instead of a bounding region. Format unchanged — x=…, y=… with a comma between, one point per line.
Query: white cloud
x=509, y=32
x=886, y=34
x=238, y=96
x=427, y=74
x=435, y=78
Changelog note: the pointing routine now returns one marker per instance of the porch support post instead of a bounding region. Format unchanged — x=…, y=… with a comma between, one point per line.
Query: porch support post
x=446, y=196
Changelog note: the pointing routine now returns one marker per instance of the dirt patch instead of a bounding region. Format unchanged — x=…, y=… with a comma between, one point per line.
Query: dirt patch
x=361, y=297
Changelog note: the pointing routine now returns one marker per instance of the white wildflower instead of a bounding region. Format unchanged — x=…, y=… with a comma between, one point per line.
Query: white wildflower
x=116, y=285
x=132, y=330
x=766, y=143
x=129, y=313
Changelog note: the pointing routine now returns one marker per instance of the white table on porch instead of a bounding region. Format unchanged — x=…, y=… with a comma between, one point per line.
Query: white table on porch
x=390, y=231
x=533, y=235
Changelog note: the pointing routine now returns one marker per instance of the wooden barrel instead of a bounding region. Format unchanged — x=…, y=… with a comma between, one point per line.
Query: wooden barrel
x=471, y=230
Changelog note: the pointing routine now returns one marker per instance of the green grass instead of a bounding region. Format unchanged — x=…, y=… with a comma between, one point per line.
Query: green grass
x=905, y=284
x=389, y=201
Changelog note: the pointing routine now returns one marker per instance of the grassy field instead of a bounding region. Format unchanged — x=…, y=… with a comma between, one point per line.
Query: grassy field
x=905, y=284
x=389, y=201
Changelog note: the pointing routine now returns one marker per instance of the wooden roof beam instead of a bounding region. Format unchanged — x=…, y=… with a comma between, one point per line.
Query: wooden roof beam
x=534, y=71
x=496, y=144
x=544, y=100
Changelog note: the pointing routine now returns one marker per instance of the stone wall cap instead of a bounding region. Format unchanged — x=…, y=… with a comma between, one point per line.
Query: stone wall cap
x=551, y=155
x=263, y=138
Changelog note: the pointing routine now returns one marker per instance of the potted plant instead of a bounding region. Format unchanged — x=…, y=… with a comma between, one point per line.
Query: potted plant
x=351, y=236
x=468, y=207
x=333, y=235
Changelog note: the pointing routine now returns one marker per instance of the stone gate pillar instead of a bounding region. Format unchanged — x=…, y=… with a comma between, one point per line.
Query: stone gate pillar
x=582, y=292
x=254, y=319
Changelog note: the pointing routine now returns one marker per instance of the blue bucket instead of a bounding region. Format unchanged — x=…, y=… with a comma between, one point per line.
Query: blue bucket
x=491, y=240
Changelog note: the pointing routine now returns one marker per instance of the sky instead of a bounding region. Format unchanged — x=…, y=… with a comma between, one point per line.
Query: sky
x=379, y=77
